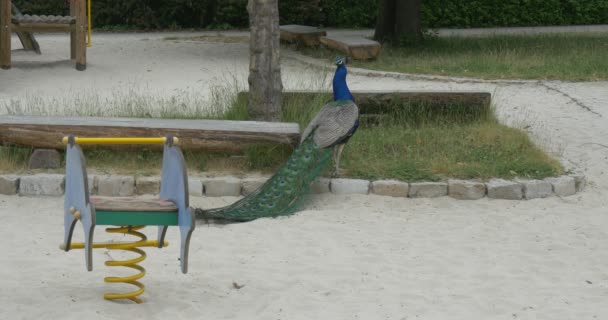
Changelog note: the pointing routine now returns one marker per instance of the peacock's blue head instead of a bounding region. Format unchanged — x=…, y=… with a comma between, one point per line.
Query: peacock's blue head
x=341, y=61
x=340, y=88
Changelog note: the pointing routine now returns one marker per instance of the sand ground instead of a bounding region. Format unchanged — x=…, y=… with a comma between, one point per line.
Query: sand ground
x=343, y=257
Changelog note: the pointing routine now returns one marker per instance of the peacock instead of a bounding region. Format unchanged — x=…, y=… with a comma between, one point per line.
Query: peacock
x=324, y=137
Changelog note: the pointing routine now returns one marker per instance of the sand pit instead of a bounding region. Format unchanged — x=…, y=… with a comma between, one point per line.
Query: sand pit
x=343, y=257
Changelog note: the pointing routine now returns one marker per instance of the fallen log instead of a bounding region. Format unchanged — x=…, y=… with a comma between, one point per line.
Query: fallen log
x=375, y=102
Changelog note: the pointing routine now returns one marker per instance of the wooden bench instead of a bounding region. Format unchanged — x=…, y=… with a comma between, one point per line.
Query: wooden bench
x=75, y=24
x=376, y=101
x=46, y=132
x=303, y=35
x=358, y=48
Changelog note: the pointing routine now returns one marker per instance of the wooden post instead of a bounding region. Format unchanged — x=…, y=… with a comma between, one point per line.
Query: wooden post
x=73, y=32
x=5, y=34
x=81, y=30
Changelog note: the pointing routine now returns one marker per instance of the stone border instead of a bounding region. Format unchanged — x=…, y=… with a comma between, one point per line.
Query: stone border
x=120, y=185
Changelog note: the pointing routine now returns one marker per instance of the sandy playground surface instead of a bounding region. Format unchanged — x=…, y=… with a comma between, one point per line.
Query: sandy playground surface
x=344, y=257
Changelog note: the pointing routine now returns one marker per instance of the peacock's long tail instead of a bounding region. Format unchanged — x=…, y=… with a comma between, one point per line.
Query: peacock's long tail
x=280, y=195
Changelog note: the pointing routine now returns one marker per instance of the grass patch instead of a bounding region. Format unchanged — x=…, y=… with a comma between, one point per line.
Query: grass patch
x=416, y=142
x=405, y=141
x=564, y=57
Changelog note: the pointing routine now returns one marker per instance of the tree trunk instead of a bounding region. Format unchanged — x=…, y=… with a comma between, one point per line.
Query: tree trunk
x=398, y=20
x=385, y=25
x=407, y=19
x=264, y=62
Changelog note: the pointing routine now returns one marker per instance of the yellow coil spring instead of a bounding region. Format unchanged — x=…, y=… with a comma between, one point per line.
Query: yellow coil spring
x=131, y=263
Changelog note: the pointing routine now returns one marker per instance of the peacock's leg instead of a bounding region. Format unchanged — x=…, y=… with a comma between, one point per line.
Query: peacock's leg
x=337, y=154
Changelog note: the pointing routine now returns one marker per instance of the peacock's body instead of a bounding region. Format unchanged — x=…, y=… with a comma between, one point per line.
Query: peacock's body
x=329, y=130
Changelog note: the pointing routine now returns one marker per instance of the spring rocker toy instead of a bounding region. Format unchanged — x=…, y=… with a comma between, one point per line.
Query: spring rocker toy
x=127, y=215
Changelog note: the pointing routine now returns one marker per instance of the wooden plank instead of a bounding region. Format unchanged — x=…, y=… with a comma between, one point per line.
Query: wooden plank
x=5, y=34
x=132, y=204
x=47, y=132
x=28, y=41
x=305, y=35
x=355, y=47
x=42, y=27
x=73, y=32
x=376, y=101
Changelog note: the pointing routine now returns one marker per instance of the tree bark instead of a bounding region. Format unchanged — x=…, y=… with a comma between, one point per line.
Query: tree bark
x=398, y=19
x=407, y=19
x=265, y=84
x=385, y=25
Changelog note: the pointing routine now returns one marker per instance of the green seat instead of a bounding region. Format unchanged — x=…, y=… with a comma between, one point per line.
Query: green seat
x=134, y=212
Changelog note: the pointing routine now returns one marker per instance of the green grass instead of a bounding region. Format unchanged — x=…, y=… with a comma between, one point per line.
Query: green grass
x=407, y=142
x=563, y=57
x=423, y=142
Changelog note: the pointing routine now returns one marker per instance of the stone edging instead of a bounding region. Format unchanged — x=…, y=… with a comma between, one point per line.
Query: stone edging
x=117, y=185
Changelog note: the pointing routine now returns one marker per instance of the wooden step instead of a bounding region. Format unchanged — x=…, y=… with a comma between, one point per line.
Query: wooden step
x=305, y=35
x=126, y=204
x=355, y=47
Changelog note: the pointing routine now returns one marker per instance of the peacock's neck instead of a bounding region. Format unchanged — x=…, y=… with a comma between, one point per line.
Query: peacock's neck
x=340, y=88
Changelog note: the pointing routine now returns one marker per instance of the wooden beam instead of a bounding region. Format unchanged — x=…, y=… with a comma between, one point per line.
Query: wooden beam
x=42, y=27
x=80, y=37
x=5, y=33
x=376, y=101
x=73, y=32
x=47, y=132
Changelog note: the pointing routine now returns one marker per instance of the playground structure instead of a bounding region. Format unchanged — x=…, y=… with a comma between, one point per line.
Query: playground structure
x=128, y=215
x=77, y=24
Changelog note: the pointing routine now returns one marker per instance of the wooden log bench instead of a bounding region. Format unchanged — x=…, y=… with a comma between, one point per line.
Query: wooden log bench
x=301, y=35
x=358, y=48
x=374, y=101
x=75, y=24
x=46, y=132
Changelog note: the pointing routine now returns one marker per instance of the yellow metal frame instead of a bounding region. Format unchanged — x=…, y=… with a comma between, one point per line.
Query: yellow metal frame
x=120, y=140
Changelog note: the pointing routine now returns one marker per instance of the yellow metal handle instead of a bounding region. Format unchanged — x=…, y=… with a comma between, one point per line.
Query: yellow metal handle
x=105, y=245
x=125, y=140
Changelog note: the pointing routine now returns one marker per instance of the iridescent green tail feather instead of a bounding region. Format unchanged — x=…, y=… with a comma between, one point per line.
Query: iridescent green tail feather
x=280, y=195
